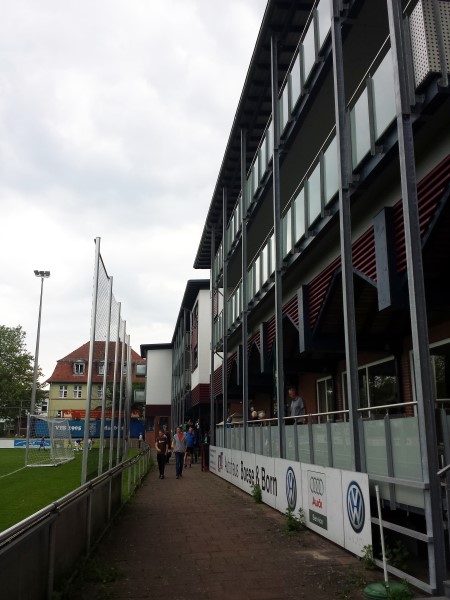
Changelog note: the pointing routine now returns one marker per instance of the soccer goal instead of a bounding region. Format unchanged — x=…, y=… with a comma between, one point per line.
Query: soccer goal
x=49, y=442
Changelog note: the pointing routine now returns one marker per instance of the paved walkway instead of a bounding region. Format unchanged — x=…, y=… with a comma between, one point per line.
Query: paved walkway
x=201, y=538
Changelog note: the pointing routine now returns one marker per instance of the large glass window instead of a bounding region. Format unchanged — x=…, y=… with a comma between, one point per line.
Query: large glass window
x=378, y=385
x=325, y=397
x=440, y=361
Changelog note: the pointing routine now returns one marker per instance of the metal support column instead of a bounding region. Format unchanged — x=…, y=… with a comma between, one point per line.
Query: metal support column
x=244, y=296
x=213, y=287
x=225, y=317
x=345, y=227
x=279, y=361
x=417, y=303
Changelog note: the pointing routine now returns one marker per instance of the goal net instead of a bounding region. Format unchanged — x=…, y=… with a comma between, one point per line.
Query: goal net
x=49, y=442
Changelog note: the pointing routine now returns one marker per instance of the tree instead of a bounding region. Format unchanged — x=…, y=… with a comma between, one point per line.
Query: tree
x=16, y=373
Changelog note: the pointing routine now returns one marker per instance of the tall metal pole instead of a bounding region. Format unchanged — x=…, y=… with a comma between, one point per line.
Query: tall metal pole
x=417, y=303
x=90, y=364
x=225, y=317
x=43, y=275
x=105, y=377
x=244, y=296
x=279, y=359
x=119, y=417
x=345, y=228
x=214, y=298
x=114, y=394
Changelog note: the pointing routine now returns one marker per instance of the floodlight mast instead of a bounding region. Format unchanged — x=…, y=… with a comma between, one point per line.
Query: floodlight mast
x=43, y=275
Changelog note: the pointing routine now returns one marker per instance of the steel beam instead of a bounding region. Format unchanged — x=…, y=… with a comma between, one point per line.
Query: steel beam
x=417, y=303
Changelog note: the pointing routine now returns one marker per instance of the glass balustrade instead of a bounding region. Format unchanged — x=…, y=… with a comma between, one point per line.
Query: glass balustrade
x=331, y=178
x=384, y=95
x=265, y=264
x=284, y=108
x=360, y=130
x=308, y=52
x=329, y=444
x=257, y=267
x=262, y=157
x=324, y=21
x=272, y=253
x=286, y=227
x=314, y=196
x=295, y=81
x=299, y=216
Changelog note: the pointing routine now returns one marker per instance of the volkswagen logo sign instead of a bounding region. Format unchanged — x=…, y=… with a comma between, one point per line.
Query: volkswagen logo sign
x=291, y=488
x=317, y=486
x=355, y=507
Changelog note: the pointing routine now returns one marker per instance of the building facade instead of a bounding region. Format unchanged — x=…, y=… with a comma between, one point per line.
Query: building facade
x=327, y=240
x=68, y=383
x=178, y=377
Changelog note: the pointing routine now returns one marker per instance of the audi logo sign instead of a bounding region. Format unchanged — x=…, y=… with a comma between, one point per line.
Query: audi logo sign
x=317, y=486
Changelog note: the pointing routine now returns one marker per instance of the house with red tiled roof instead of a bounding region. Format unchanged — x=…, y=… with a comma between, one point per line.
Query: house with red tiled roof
x=68, y=383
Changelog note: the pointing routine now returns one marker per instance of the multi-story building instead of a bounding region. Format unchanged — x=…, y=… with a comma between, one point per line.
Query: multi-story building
x=177, y=386
x=68, y=383
x=327, y=235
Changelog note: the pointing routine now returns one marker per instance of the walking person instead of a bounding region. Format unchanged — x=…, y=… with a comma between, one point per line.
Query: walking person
x=179, y=446
x=190, y=442
x=161, y=446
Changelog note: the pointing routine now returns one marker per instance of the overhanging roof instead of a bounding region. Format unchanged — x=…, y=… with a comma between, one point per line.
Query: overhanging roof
x=286, y=19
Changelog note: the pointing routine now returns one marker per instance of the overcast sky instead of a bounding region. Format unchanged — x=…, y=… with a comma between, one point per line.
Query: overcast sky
x=114, y=118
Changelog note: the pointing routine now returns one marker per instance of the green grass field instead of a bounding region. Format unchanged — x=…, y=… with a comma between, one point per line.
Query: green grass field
x=29, y=489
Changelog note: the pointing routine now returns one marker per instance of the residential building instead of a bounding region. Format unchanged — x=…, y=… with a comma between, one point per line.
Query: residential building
x=68, y=383
x=327, y=237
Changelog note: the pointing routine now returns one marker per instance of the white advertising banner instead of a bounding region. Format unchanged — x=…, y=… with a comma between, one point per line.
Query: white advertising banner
x=336, y=503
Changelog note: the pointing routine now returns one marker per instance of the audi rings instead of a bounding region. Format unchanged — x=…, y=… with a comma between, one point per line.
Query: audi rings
x=317, y=486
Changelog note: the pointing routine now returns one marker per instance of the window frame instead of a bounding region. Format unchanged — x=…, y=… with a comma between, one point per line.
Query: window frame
x=77, y=391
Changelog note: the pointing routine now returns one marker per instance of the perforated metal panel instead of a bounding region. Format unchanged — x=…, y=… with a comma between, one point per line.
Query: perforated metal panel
x=424, y=39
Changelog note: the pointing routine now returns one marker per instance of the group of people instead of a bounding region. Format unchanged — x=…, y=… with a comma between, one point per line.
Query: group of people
x=185, y=444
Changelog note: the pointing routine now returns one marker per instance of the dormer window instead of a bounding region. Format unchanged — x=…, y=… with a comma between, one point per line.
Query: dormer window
x=78, y=368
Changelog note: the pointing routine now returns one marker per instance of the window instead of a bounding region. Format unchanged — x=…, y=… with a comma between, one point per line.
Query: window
x=324, y=388
x=78, y=368
x=77, y=391
x=63, y=391
x=99, y=392
x=440, y=365
x=101, y=367
x=124, y=368
x=377, y=385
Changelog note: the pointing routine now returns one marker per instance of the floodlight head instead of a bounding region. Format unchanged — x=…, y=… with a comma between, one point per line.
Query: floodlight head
x=41, y=273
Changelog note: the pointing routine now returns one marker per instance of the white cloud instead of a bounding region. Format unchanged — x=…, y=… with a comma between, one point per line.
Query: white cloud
x=114, y=117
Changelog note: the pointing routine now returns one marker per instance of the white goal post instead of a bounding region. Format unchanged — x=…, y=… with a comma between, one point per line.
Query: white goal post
x=49, y=442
